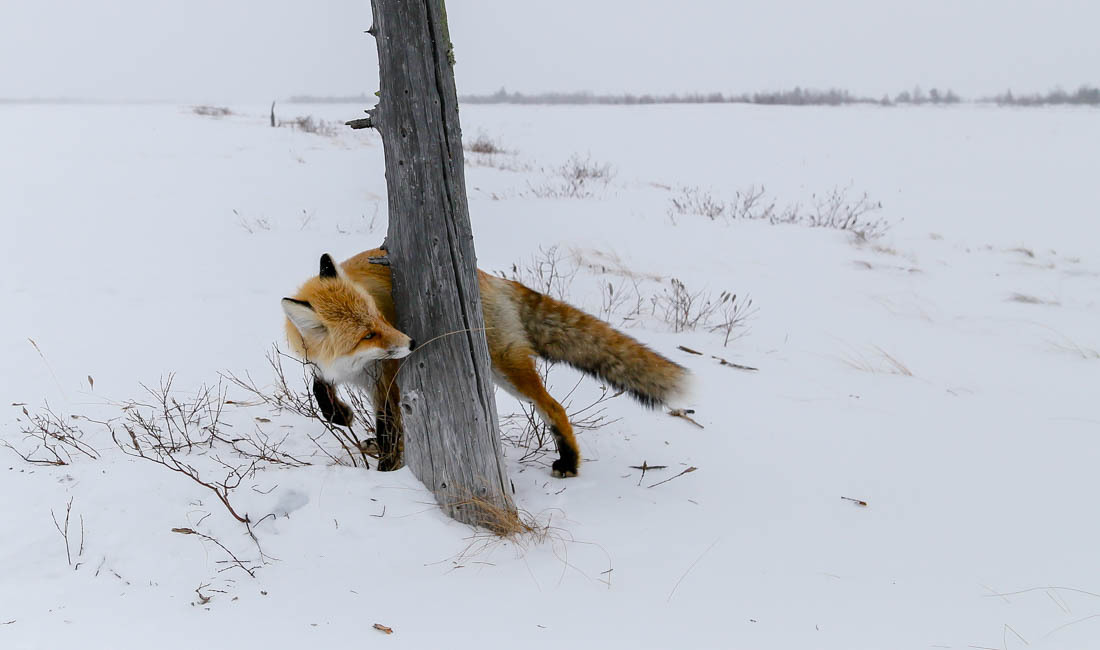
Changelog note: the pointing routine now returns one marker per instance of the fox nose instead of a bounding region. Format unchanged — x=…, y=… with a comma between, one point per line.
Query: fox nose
x=412, y=344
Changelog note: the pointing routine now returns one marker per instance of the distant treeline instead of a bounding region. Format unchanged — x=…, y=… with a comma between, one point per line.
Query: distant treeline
x=48, y=100
x=795, y=97
x=1085, y=95
x=346, y=99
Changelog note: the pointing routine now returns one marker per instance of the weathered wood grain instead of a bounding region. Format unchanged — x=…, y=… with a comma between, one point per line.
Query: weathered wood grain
x=448, y=408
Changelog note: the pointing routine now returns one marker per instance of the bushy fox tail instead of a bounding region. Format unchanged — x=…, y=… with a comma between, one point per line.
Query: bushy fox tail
x=560, y=332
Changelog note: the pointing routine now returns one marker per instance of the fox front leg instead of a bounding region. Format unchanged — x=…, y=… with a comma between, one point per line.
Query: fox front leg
x=330, y=405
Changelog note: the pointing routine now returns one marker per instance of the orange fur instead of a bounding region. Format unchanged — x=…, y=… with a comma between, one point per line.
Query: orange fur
x=520, y=325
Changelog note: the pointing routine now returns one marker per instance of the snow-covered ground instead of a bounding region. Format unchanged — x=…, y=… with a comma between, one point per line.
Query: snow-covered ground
x=945, y=374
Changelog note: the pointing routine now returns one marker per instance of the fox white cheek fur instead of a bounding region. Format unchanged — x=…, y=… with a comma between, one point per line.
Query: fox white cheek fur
x=398, y=353
x=352, y=369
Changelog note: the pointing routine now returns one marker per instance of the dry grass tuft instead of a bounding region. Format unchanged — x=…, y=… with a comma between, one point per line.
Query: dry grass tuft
x=1066, y=344
x=502, y=521
x=523, y=532
x=879, y=361
x=1030, y=300
x=483, y=144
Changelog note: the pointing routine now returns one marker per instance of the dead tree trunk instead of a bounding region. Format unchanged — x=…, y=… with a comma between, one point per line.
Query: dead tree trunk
x=447, y=406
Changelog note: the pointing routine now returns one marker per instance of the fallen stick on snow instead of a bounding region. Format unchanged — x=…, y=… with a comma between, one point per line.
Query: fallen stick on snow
x=690, y=469
x=723, y=362
x=645, y=467
x=685, y=413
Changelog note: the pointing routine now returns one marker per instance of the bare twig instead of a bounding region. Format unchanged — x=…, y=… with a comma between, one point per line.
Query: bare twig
x=686, y=471
x=236, y=561
x=697, y=560
x=685, y=414
x=156, y=451
x=56, y=438
x=645, y=467
x=48, y=367
x=283, y=397
x=63, y=530
x=723, y=362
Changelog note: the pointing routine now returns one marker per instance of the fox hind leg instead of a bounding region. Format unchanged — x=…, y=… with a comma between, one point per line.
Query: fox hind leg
x=387, y=418
x=519, y=371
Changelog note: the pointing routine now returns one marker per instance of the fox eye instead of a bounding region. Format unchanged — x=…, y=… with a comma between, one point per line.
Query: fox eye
x=369, y=336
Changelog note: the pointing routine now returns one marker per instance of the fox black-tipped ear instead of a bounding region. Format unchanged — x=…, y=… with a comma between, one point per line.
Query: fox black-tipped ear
x=328, y=268
x=303, y=317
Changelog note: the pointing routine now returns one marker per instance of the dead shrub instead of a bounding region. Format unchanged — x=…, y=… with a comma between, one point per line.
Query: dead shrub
x=211, y=111
x=310, y=124
x=692, y=200
x=836, y=210
x=281, y=396
x=54, y=439
x=732, y=320
x=624, y=300
x=578, y=178
x=483, y=144
x=548, y=272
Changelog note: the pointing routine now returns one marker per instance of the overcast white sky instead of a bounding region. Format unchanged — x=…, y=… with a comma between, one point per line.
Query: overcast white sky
x=257, y=50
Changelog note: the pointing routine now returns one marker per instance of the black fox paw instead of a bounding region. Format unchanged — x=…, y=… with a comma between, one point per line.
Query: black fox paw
x=332, y=409
x=370, y=447
x=342, y=416
x=563, y=469
x=389, y=464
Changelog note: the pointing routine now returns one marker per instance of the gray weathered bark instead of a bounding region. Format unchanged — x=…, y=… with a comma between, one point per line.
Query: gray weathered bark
x=448, y=406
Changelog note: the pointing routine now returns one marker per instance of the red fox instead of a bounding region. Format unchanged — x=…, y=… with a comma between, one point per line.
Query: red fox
x=340, y=322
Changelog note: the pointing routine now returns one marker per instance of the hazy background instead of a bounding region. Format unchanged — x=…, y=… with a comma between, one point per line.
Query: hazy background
x=257, y=50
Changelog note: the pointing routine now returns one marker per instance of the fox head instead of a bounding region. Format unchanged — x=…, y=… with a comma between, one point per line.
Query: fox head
x=336, y=325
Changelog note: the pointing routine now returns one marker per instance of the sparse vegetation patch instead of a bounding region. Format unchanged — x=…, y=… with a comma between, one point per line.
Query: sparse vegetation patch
x=837, y=210
x=483, y=144
x=578, y=178
x=211, y=111
x=310, y=124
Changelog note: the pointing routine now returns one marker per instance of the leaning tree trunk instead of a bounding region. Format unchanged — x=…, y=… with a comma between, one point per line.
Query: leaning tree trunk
x=447, y=406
